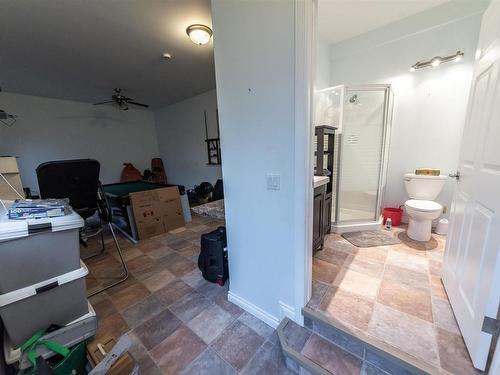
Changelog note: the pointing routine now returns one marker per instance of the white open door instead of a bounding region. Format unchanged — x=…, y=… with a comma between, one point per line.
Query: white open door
x=471, y=268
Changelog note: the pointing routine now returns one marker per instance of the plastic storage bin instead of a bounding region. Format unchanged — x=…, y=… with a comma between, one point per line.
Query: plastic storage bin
x=72, y=334
x=393, y=213
x=3, y=369
x=35, y=250
x=58, y=300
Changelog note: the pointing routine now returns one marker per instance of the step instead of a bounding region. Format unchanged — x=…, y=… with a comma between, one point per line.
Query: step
x=320, y=348
x=388, y=358
x=308, y=353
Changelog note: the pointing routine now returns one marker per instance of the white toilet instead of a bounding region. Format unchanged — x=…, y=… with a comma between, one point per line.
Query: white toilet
x=421, y=208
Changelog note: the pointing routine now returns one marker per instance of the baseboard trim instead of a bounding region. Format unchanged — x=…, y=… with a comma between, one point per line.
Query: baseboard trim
x=253, y=309
x=287, y=311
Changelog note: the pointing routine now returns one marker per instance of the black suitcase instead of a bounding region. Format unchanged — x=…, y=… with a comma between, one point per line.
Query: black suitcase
x=213, y=256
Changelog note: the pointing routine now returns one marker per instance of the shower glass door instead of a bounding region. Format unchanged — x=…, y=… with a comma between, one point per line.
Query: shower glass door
x=361, y=148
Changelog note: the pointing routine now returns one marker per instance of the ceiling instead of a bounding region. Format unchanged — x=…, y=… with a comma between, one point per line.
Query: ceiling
x=81, y=50
x=339, y=20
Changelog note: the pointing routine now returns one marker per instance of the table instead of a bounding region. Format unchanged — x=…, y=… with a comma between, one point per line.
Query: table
x=119, y=198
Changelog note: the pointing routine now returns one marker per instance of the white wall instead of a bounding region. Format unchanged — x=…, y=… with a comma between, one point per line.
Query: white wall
x=255, y=92
x=430, y=104
x=322, y=73
x=53, y=129
x=181, y=139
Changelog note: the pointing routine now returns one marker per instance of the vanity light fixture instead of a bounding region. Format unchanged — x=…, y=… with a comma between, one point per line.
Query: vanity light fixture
x=199, y=34
x=437, y=60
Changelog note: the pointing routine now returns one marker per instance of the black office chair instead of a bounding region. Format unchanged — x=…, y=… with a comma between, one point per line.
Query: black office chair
x=78, y=181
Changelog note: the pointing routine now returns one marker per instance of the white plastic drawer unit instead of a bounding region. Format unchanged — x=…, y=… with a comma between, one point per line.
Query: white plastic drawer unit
x=55, y=301
x=35, y=250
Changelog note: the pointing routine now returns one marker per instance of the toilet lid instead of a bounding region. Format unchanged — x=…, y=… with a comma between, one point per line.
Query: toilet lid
x=421, y=205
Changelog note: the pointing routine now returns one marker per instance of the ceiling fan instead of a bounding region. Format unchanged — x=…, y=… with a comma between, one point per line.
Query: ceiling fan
x=122, y=101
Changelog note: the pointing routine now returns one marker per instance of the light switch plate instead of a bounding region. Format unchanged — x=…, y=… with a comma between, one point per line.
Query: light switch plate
x=273, y=181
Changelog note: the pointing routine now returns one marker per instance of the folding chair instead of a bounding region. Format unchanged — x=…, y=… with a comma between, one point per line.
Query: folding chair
x=78, y=180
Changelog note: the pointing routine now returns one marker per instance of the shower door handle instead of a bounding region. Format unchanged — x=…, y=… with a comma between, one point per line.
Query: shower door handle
x=455, y=175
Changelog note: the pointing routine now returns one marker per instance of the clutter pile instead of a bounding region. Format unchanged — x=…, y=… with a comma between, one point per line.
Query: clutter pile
x=46, y=303
x=205, y=192
x=48, y=321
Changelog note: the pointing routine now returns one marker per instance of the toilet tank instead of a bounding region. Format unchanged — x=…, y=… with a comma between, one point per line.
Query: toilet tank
x=423, y=187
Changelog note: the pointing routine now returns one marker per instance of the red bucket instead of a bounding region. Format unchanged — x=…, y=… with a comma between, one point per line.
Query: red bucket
x=394, y=213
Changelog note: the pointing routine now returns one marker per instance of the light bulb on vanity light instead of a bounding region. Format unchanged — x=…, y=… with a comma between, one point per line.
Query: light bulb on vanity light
x=435, y=62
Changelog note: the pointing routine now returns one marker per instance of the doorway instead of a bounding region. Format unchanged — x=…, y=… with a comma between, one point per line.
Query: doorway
x=351, y=259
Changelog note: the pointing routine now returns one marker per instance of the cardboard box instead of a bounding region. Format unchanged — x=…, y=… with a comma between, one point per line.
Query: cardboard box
x=10, y=171
x=157, y=211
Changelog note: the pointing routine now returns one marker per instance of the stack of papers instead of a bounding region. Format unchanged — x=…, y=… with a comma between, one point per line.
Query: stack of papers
x=34, y=209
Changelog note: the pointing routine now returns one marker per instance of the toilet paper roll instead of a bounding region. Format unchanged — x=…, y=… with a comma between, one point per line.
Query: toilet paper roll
x=442, y=227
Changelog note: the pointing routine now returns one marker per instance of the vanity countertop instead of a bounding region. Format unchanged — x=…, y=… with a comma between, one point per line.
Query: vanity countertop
x=320, y=180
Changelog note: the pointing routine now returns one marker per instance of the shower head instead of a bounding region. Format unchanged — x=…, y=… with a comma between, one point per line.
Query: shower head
x=353, y=99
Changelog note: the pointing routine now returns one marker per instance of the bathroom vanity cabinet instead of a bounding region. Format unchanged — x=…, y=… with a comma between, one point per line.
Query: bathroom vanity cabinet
x=323, y=183
x=318, y=216
x=322, y=211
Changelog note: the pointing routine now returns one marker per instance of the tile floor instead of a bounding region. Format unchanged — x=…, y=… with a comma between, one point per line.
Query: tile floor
x=392, y=293
x=180, y=324
x=334, y=351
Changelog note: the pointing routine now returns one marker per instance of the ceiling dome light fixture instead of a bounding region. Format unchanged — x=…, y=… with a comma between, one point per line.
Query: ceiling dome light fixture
x=199, y=34
x=437, y=61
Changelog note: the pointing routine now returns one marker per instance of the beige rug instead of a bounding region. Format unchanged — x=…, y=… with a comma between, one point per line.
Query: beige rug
x=371, y=238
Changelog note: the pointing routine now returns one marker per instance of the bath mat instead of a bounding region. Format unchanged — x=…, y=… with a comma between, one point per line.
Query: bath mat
x=371, y=238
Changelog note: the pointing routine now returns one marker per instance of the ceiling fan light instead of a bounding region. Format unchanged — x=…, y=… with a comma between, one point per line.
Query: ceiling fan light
x=199, y=34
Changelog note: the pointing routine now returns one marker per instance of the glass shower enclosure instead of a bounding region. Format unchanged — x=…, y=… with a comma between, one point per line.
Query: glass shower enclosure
x=363, y=116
